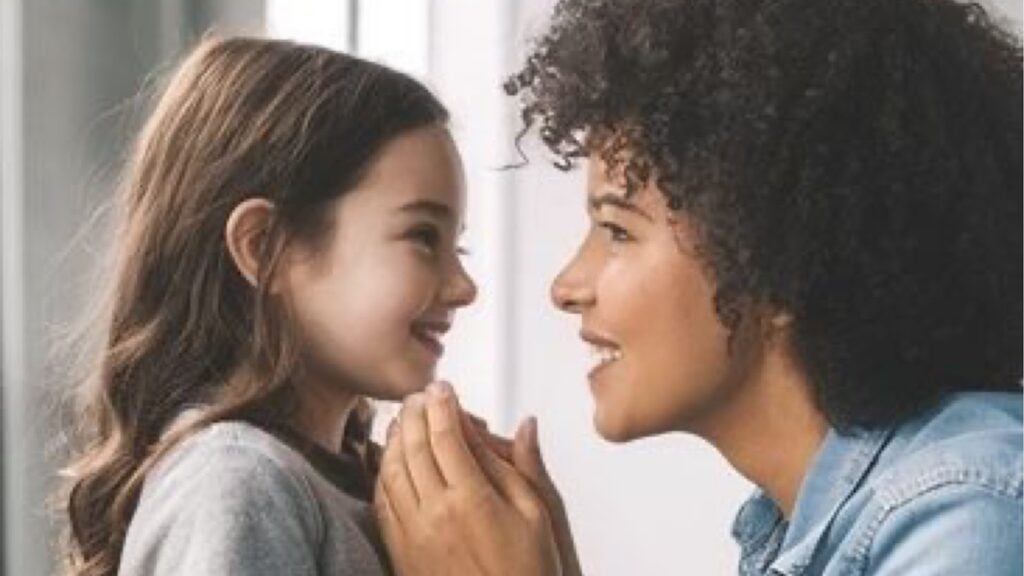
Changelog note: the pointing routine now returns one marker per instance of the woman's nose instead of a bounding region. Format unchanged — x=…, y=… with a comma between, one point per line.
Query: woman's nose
x=572, y=290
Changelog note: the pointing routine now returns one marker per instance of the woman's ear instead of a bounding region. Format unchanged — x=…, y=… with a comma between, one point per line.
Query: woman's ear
x=780, y=319
x=245, y=233
x=776, y=324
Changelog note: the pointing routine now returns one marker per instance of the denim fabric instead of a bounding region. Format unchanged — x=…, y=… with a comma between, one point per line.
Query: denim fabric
x=938, y=495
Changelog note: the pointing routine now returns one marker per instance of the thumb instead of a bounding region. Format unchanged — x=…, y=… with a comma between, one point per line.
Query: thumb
x=526, y=456
x=530, y=463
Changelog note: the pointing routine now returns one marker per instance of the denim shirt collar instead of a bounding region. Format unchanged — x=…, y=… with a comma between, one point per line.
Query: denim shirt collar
x=840, y=466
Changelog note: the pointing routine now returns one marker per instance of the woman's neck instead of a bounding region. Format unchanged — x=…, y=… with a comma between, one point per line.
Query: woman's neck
x=772, y=430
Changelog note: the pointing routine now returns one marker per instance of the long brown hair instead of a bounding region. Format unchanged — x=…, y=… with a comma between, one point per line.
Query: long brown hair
x=241, y=117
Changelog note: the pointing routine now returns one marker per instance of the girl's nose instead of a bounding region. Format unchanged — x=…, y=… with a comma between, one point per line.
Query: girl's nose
x=461, y=290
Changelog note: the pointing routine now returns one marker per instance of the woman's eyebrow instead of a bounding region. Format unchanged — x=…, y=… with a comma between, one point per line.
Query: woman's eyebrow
x=618, y=201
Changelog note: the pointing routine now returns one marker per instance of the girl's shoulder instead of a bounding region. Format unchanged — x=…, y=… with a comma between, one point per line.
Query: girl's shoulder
x=234, y=498
x=230, y=498
x=234, y=464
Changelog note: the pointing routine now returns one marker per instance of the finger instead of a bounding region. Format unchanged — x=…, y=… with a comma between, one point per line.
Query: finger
x=477, y=421
x=502, y=447
x=530, y=462
x=527, y=458
x=394, y=477
x=387, y=519
x=392, y=531
x=502, y=475
x=473, y=426
x=419, y=457
x=451, y=452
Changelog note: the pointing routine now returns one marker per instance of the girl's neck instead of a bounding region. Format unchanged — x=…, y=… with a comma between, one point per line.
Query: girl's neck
x=773, y=429
x=321, y=412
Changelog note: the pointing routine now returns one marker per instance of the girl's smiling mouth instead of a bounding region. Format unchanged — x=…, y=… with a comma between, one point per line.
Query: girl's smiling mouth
x=429, y=334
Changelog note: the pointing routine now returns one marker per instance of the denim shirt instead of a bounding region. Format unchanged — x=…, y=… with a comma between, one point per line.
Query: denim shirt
x=940, y=494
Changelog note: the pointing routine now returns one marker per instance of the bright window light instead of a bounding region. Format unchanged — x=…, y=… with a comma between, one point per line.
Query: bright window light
x=396, y=33
x=322, y=22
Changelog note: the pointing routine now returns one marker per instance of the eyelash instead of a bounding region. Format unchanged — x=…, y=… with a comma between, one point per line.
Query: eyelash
x=427, y=237
x=430, y=238
x=616, y=233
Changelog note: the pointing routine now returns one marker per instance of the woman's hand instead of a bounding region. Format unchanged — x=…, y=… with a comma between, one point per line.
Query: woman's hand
x=528, y=461
x=448, y=504
x=524, y=454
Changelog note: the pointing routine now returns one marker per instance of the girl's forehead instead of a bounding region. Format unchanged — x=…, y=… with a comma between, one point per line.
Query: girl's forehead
x=417, y=170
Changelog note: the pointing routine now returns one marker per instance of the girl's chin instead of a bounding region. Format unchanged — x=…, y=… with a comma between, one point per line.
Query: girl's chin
x=409, y=385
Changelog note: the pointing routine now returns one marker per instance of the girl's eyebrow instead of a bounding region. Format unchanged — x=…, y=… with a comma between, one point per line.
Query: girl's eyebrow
x=431, y=207
x=618, y=201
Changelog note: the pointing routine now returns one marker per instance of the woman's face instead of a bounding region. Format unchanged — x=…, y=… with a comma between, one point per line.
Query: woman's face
x=373, y=302
x=661, y=359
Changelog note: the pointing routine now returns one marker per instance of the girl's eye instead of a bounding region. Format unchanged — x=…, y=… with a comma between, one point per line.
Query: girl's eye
x=426, y=237
x=616, y=234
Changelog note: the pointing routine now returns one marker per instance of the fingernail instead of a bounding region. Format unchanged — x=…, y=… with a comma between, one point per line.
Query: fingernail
x=531, y=430
x=445, y=389
x=435, y=390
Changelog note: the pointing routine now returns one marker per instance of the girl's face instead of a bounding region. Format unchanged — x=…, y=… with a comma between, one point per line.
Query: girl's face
x=373, y=302
x=661, y=359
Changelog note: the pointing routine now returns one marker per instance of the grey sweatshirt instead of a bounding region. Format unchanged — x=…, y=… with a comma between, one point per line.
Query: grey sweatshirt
x=233, y=500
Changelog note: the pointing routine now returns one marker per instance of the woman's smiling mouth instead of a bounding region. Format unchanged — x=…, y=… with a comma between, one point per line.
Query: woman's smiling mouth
x=603, y=351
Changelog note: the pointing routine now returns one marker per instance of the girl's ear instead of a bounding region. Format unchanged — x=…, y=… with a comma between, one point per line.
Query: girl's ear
x=245, y=234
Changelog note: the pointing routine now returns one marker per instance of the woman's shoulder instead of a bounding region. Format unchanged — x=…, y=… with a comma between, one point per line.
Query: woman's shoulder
x=971, y=438
x=949, y=491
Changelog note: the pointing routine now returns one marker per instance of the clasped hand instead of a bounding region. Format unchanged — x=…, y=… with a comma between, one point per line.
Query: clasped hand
x=452, y=499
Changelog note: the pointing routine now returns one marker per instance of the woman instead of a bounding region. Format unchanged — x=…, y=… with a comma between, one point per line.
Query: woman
x=805, y=249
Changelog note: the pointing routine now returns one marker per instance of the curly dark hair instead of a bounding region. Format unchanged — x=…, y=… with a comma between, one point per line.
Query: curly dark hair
x=856, y=163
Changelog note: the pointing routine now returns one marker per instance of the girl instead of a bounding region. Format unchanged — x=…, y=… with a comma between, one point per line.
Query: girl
x=805, y=249
x=287, y=248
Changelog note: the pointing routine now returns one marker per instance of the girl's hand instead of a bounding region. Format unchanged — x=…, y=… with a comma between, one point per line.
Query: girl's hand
x=449, y=505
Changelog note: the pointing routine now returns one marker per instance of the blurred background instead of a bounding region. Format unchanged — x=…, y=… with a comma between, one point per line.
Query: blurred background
x=71, y=78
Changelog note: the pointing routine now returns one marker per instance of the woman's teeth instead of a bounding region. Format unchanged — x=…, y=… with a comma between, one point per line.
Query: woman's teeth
x=605, y=355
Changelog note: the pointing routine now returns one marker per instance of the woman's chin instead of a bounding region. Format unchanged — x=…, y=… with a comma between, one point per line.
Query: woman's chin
x=613, y=427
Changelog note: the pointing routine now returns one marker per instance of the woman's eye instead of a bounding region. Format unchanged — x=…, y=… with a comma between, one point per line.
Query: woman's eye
x=616, y=233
